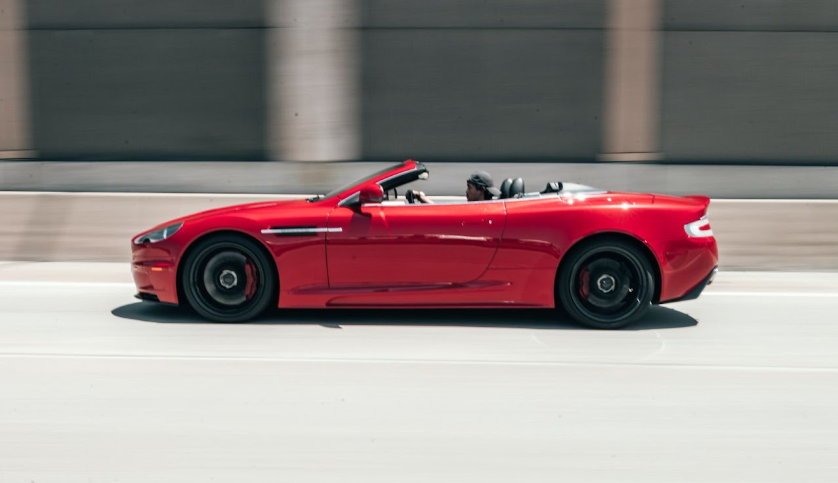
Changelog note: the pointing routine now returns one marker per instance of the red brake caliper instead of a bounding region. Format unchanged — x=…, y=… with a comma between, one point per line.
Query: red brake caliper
x=583, y=279
x=252, y=280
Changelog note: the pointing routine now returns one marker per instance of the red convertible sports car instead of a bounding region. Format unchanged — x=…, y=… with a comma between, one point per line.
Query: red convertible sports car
x=603, y=256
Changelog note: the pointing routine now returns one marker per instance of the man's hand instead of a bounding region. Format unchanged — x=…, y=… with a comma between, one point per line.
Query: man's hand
x=419, y=195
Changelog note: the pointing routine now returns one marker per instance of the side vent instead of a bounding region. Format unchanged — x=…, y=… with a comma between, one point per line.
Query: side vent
x=299, y=230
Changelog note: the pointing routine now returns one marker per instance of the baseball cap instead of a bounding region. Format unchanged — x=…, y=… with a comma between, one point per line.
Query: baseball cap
x=484, y=179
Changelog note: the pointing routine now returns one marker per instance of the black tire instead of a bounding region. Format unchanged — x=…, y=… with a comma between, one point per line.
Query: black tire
x=606, y=284
x=228, y=278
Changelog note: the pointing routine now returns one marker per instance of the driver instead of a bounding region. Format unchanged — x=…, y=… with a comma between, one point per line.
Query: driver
x=479, y=187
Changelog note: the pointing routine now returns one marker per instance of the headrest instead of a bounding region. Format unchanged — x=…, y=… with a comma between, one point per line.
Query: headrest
x=504, y=188
x=517, y=187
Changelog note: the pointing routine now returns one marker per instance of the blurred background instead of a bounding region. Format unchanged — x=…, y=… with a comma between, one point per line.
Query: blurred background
x=733, y=100
x=117, y=115
x=679, y=81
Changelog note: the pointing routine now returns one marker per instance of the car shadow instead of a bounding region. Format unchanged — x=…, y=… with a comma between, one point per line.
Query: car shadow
x=548, y=319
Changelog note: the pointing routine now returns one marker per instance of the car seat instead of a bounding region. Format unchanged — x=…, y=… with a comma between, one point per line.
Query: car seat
x=504, y=188
x=516, y=188
x=511, y=187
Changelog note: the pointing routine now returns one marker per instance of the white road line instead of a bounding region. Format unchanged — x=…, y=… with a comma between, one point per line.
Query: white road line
x=70, y=285
x=774, y=200
x=335, y=360
x=104, y=194
x=772, y=294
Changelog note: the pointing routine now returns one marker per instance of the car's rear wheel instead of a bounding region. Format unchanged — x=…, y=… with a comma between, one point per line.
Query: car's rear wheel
x=606, y=284
x=228, y=278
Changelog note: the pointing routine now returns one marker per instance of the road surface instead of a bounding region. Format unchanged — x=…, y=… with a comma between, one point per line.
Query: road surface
x=740, y=385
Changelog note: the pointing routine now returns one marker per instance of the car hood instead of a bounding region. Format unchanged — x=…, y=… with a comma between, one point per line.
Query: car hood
x=242, y=209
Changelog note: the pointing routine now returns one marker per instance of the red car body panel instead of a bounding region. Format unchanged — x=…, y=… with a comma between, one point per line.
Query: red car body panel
x=499, y=253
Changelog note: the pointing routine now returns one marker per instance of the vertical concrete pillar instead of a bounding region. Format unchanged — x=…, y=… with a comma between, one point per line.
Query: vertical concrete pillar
x=15, y=132
x=313, y=80
x=631, y=130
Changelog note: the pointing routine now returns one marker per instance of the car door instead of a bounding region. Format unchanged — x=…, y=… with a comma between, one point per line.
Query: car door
x=420, y=245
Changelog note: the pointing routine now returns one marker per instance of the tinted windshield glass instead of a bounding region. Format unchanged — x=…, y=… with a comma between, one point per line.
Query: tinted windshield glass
x=362, y=180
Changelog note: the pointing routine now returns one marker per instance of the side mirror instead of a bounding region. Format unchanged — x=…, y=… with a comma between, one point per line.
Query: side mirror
x=371, y=194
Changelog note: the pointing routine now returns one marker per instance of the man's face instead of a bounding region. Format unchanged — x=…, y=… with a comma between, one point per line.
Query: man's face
x=473, y=193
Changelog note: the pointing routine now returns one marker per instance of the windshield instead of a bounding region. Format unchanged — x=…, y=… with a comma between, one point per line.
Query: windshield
x=345, y=187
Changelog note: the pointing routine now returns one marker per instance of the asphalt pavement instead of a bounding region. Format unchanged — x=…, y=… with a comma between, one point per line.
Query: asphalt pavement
x=739, y=385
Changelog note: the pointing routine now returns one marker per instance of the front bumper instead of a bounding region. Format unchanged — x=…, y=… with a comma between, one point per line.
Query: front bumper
x=155, y=274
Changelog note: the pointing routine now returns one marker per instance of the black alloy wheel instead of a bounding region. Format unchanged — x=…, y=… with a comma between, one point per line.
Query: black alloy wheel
x=606, y=284
x=228, y=278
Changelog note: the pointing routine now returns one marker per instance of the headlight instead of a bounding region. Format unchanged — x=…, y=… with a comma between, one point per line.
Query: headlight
x=699, y=228
x=157, y=235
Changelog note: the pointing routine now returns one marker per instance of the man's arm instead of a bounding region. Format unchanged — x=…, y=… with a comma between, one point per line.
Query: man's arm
x=420, y=195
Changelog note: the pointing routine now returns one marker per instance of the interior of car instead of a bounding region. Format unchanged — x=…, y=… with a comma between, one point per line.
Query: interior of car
x=510, y=189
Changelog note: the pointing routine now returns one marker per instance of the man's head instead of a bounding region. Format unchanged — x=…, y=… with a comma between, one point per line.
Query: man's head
x=479, y=186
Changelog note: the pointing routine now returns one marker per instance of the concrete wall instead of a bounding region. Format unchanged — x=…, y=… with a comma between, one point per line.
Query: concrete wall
x=446, y=178
x=438, y=80
x=751, y=15
x=147, y=79
x=750, y=81
x=476, y=80
x=752, y=235
x=313, y=80
x=15, y=140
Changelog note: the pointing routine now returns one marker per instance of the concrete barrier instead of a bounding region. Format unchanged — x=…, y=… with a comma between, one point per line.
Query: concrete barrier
x=752, y=234
x=776, y=234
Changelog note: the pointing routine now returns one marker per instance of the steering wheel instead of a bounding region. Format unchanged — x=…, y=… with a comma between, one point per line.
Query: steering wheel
x=409, y=195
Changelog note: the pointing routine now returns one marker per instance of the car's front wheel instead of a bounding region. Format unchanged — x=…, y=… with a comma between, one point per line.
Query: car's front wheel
x=606, y=284
x=228, y=278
